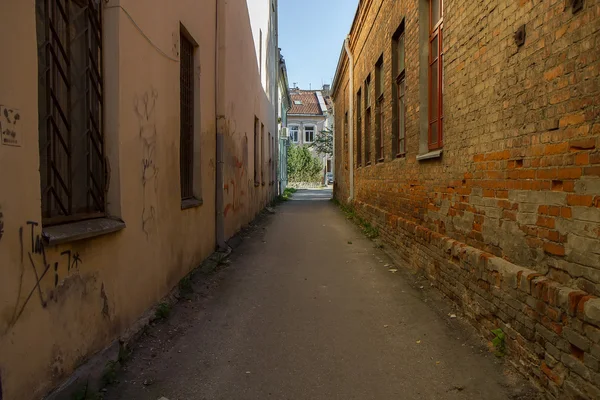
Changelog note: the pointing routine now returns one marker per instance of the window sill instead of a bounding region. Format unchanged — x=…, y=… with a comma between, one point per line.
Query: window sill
x=401, y=155
x=80, y=230
x=191, y=203
x=430, y=155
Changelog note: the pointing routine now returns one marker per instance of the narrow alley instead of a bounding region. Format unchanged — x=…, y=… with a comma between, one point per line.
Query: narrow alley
x=309, y=308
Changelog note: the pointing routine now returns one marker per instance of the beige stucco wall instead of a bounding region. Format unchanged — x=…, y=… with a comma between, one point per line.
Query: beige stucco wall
x=47, y=331
x=245, y=99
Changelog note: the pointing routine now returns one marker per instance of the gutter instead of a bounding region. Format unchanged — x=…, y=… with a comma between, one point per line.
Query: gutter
x=351, y=117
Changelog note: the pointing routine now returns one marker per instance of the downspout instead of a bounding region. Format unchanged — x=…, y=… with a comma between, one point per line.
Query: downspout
x=351, y=117
x=219, y=123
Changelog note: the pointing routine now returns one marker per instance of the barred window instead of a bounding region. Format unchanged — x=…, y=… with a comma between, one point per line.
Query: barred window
x=71, y=138
x=186, y=110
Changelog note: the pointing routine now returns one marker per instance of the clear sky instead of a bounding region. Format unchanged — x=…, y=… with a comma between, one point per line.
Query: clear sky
x=311, y=35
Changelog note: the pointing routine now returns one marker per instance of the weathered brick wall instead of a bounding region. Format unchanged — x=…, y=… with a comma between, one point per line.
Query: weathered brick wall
x=519, y=178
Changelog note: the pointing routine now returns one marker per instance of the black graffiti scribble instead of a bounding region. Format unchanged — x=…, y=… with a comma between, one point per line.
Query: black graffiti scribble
x=37, y=251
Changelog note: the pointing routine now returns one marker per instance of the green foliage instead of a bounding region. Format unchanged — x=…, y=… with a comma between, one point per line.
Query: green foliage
x=369, y=230
x=163, y=310
x=303, y=166
x=185, y=287
x=85, y=394
x=109, y=376
x=499, y=342
x=323, y=143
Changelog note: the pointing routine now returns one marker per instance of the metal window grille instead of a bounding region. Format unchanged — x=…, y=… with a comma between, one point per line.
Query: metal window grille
x=186, y=104
x=72, y=162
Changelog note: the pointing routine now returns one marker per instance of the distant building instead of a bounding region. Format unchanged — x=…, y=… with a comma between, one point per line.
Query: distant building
x=285, y=102
x=311, y=113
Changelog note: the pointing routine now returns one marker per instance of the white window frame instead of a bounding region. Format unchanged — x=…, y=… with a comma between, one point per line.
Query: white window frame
x=292, y=129
x=310, y=128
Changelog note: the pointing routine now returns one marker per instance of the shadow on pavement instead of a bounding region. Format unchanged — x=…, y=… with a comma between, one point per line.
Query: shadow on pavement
x=312, y=195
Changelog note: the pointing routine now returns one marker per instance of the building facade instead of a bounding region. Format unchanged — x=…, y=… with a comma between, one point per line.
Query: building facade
x=310, y=115
x=137, y=143
x=285, y=102
x=468, y=133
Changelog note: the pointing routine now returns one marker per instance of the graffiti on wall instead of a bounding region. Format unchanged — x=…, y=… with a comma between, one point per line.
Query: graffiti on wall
x=145, y=109
x=33, y=256
x=10, y=126
x=235, y=192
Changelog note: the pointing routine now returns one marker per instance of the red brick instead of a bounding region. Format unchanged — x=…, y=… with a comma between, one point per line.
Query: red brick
x=583, y=144
x=579, y=200
x=591, y=171
x=546, y=222
x=554, y=249
x=566, y=212
x=554, y=72
x=595, y=158
x=551, y=173
x=569, y=173
x=572, y=119
x=582, y=159
x=569, y=186
x=559, y=148
x=574, y=298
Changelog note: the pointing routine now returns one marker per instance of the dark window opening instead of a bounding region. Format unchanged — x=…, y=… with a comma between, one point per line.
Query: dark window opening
x=379, y=122
x=186, y=104
x=71, y=137
x=368, y=120
x=436, y=57
x=399, y=89
x=358, y=129
x=256, y=154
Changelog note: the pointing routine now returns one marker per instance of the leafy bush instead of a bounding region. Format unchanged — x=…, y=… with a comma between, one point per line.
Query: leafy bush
x=303, y=166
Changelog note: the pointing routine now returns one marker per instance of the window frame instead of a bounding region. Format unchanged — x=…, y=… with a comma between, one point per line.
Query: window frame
x=297, y=131
x=379, y=115
x=399, y=92
x=256, y=151
x=312, y=129
x=186, y=153
x=435, y=34
x=57, y=186
x=368, y=120
x=359, y=154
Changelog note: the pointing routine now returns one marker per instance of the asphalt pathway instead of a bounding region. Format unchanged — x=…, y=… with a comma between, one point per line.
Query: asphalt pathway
x=308, y=309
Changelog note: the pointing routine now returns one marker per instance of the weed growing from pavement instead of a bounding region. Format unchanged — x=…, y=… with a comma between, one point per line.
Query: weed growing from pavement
x=163, y=310
x=185, y=287
x=109, y=376
x=85, y=394
x=499, y=342
x=369, y=230
x=287, y=193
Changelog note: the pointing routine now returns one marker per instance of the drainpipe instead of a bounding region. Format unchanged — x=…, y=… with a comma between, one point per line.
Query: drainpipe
x=219, y=121
x=351, y=117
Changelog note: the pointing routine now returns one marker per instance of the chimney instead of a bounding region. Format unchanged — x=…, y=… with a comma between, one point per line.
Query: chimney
x=326, y=88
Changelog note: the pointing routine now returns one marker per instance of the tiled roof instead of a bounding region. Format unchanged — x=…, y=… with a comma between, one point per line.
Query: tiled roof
x=309, y=102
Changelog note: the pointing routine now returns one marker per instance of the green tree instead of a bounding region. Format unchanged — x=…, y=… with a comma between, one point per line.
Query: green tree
x=323, y=143
x=303, y=166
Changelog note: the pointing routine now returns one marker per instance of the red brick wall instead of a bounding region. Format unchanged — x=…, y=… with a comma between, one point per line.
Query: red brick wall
x=519, y=177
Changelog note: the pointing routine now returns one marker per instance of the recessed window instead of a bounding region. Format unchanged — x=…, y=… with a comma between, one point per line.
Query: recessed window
x=294, y=133
x=436, y=57
x=368, y=120
x=398, y=98
x=309, y=134
x=71, y=137
x=379, y=85
x=256, y=153
x=359, y=128
x=186, y=110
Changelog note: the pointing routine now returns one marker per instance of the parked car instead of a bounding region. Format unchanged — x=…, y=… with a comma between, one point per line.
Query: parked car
x=329, y=177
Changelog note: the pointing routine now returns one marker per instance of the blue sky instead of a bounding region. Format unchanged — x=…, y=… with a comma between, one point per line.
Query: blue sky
x=311, y=34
